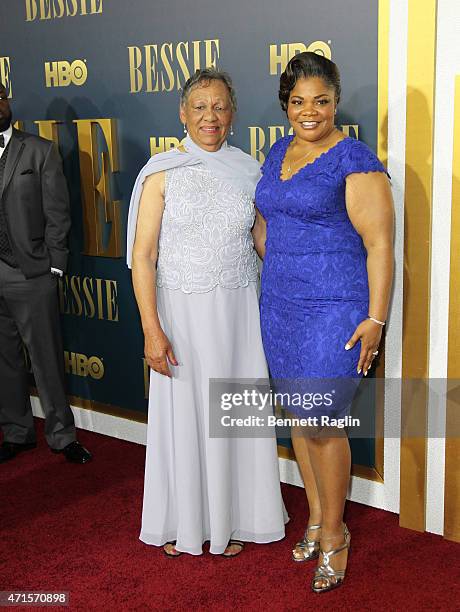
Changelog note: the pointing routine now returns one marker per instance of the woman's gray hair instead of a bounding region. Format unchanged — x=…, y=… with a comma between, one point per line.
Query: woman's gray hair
x=205, y=75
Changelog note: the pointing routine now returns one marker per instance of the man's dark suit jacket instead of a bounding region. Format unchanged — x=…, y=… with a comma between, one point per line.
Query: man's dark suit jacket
x=35, y=200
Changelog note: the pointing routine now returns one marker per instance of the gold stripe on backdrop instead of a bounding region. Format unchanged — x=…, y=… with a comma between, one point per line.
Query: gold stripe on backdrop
x=95, y=406
x=421, y=55
x=452, y=471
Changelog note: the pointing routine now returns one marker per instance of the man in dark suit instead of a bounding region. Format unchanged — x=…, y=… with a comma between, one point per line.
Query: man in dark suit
x=34, y=225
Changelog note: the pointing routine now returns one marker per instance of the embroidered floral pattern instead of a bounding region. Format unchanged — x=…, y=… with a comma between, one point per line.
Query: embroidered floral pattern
x=205, y=237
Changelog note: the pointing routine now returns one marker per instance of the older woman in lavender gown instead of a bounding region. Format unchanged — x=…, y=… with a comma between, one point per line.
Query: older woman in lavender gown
x=195, y=280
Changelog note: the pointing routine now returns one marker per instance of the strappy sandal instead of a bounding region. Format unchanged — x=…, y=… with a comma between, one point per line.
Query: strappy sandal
x=326, y=574
x=233, y=543
x=171, y=555
x=309, y=549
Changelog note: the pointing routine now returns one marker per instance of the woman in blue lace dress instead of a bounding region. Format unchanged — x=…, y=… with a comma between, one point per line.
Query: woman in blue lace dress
x=325, y=231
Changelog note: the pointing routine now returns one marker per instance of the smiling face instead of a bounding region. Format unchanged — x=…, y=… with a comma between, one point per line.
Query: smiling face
x=208, y=114
x=311, y=109
x=5, y=110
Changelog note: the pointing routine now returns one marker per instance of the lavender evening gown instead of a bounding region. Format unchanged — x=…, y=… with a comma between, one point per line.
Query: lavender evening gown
x=199, y=487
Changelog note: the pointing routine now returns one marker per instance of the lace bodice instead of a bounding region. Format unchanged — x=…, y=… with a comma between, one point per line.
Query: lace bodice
x=312, y=249
x=205, y=237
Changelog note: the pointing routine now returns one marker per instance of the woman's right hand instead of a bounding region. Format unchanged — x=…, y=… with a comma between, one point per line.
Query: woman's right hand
x=158, y=352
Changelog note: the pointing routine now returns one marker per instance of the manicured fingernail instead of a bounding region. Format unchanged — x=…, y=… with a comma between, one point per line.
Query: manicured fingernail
x=347, y=347
x=359, y=371
x=365, y=373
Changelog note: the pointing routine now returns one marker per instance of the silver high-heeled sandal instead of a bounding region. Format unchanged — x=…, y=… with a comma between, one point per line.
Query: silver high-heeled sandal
x=306, y=549
x=326, y=574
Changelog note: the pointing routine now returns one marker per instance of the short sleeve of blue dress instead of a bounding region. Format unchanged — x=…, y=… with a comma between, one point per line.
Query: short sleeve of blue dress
x=359, y=158
x=314, y=280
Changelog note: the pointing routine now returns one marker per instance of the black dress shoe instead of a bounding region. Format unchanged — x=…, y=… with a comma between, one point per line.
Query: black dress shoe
x=74, y=452
x=9, y=450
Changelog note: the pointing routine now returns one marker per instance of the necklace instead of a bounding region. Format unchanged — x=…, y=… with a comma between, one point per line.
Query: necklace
x=294, y=162
x=305, y=157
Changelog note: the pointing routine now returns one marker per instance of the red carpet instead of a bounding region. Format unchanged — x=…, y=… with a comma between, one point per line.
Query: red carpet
x=75, y=528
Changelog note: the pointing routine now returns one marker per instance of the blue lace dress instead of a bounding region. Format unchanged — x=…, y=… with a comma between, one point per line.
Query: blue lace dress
x=314, y=280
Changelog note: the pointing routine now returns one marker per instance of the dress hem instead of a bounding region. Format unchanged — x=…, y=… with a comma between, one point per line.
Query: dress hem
x=215, y=549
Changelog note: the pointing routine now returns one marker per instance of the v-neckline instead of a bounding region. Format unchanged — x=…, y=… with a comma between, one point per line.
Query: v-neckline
x=312, y=163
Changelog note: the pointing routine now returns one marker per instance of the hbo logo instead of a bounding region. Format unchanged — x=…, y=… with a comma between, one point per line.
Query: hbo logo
x=63, y=74
x=81, y=365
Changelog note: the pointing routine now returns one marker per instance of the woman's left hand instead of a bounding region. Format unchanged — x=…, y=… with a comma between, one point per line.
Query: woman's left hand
x=370, y=334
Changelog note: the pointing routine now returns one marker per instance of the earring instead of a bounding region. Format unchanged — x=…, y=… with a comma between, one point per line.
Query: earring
x=185, y=128
x=335, y=111
x=231, y=130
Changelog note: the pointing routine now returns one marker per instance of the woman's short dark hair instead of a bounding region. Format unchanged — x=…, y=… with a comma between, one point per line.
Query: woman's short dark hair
x=204, y=76
x=306, y=65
